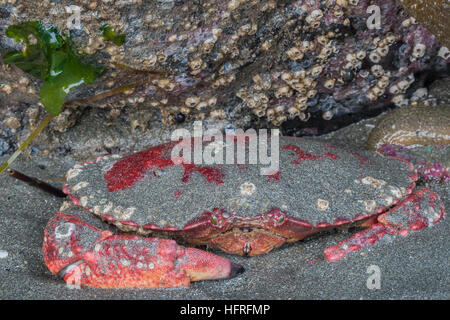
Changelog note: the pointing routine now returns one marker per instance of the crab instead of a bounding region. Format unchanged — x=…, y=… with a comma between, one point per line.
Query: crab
x=149, y=199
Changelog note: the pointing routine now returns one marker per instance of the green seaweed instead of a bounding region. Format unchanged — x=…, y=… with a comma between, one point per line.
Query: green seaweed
x=47, y=55
x=109, y=34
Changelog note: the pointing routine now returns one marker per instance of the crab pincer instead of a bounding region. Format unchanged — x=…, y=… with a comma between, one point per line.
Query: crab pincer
x=84, y=255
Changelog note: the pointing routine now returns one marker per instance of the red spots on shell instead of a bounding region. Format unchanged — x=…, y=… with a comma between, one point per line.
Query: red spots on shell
x=312, y=261
x=404, y=232
x=302, y=156
x=211, y=174
x=274, y=177
x=242, y=166
x=330, y=155
x=414, y=176
x=178, y=194
x=363, y=160
x=128, y=170
x=419, y=224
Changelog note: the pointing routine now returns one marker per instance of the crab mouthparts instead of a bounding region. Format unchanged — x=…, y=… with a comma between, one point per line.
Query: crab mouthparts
x=245, y=240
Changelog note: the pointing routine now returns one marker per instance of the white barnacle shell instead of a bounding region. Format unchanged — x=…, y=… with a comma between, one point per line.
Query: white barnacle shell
x=374, y=57
x=394, y=89
x=403, y=85
x=395, y=191
x=377, y=91
x=294, y=53
x=192, y=101
x=118, y=212
x=322, y=204
x=329, y=84
x=128, y=212
x=369, y=205
x=388, y=200
x=108, y=207
x=316, y=14
x=72, y=173
x=64, y=206
x=373, y=182
x=80, y=185
x=64, y=230
x=247, y=188
x=360, y=55
x=419, y=50
x=97, y=210
x=444, y=53
x=377, y=70
x=399, y=100
x=84, y=201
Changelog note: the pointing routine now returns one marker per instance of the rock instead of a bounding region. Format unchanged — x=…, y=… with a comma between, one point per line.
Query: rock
x=433, y=15
x=4, y=147
x=312, y=66
x=412, y=125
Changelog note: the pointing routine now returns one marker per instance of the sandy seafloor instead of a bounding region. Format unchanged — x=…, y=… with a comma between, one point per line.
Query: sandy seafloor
x=413, y=267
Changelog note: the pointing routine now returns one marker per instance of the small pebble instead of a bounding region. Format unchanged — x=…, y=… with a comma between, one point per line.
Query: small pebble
x=3, y=254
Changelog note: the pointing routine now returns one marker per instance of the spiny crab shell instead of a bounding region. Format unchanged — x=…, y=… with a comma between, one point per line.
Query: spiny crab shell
x=235, y=208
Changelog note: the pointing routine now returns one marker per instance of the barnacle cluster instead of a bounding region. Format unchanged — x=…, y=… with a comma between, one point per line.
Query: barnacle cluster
x=275, y=60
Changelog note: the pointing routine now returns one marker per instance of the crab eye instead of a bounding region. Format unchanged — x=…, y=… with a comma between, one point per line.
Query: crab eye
x=280, y=219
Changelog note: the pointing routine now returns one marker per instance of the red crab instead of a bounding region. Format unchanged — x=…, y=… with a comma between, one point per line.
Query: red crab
x=231, y=207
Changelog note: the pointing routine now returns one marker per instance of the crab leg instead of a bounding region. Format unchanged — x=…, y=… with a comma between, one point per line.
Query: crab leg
x=84, y=255
x=419, y=210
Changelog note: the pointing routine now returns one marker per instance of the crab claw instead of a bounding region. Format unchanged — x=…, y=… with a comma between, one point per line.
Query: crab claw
x=86, y=256
x=417, y=211
x=202, y=265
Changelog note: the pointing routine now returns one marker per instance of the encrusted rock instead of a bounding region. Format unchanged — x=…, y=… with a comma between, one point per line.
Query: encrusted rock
x=314, y=65
x=412, y=125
